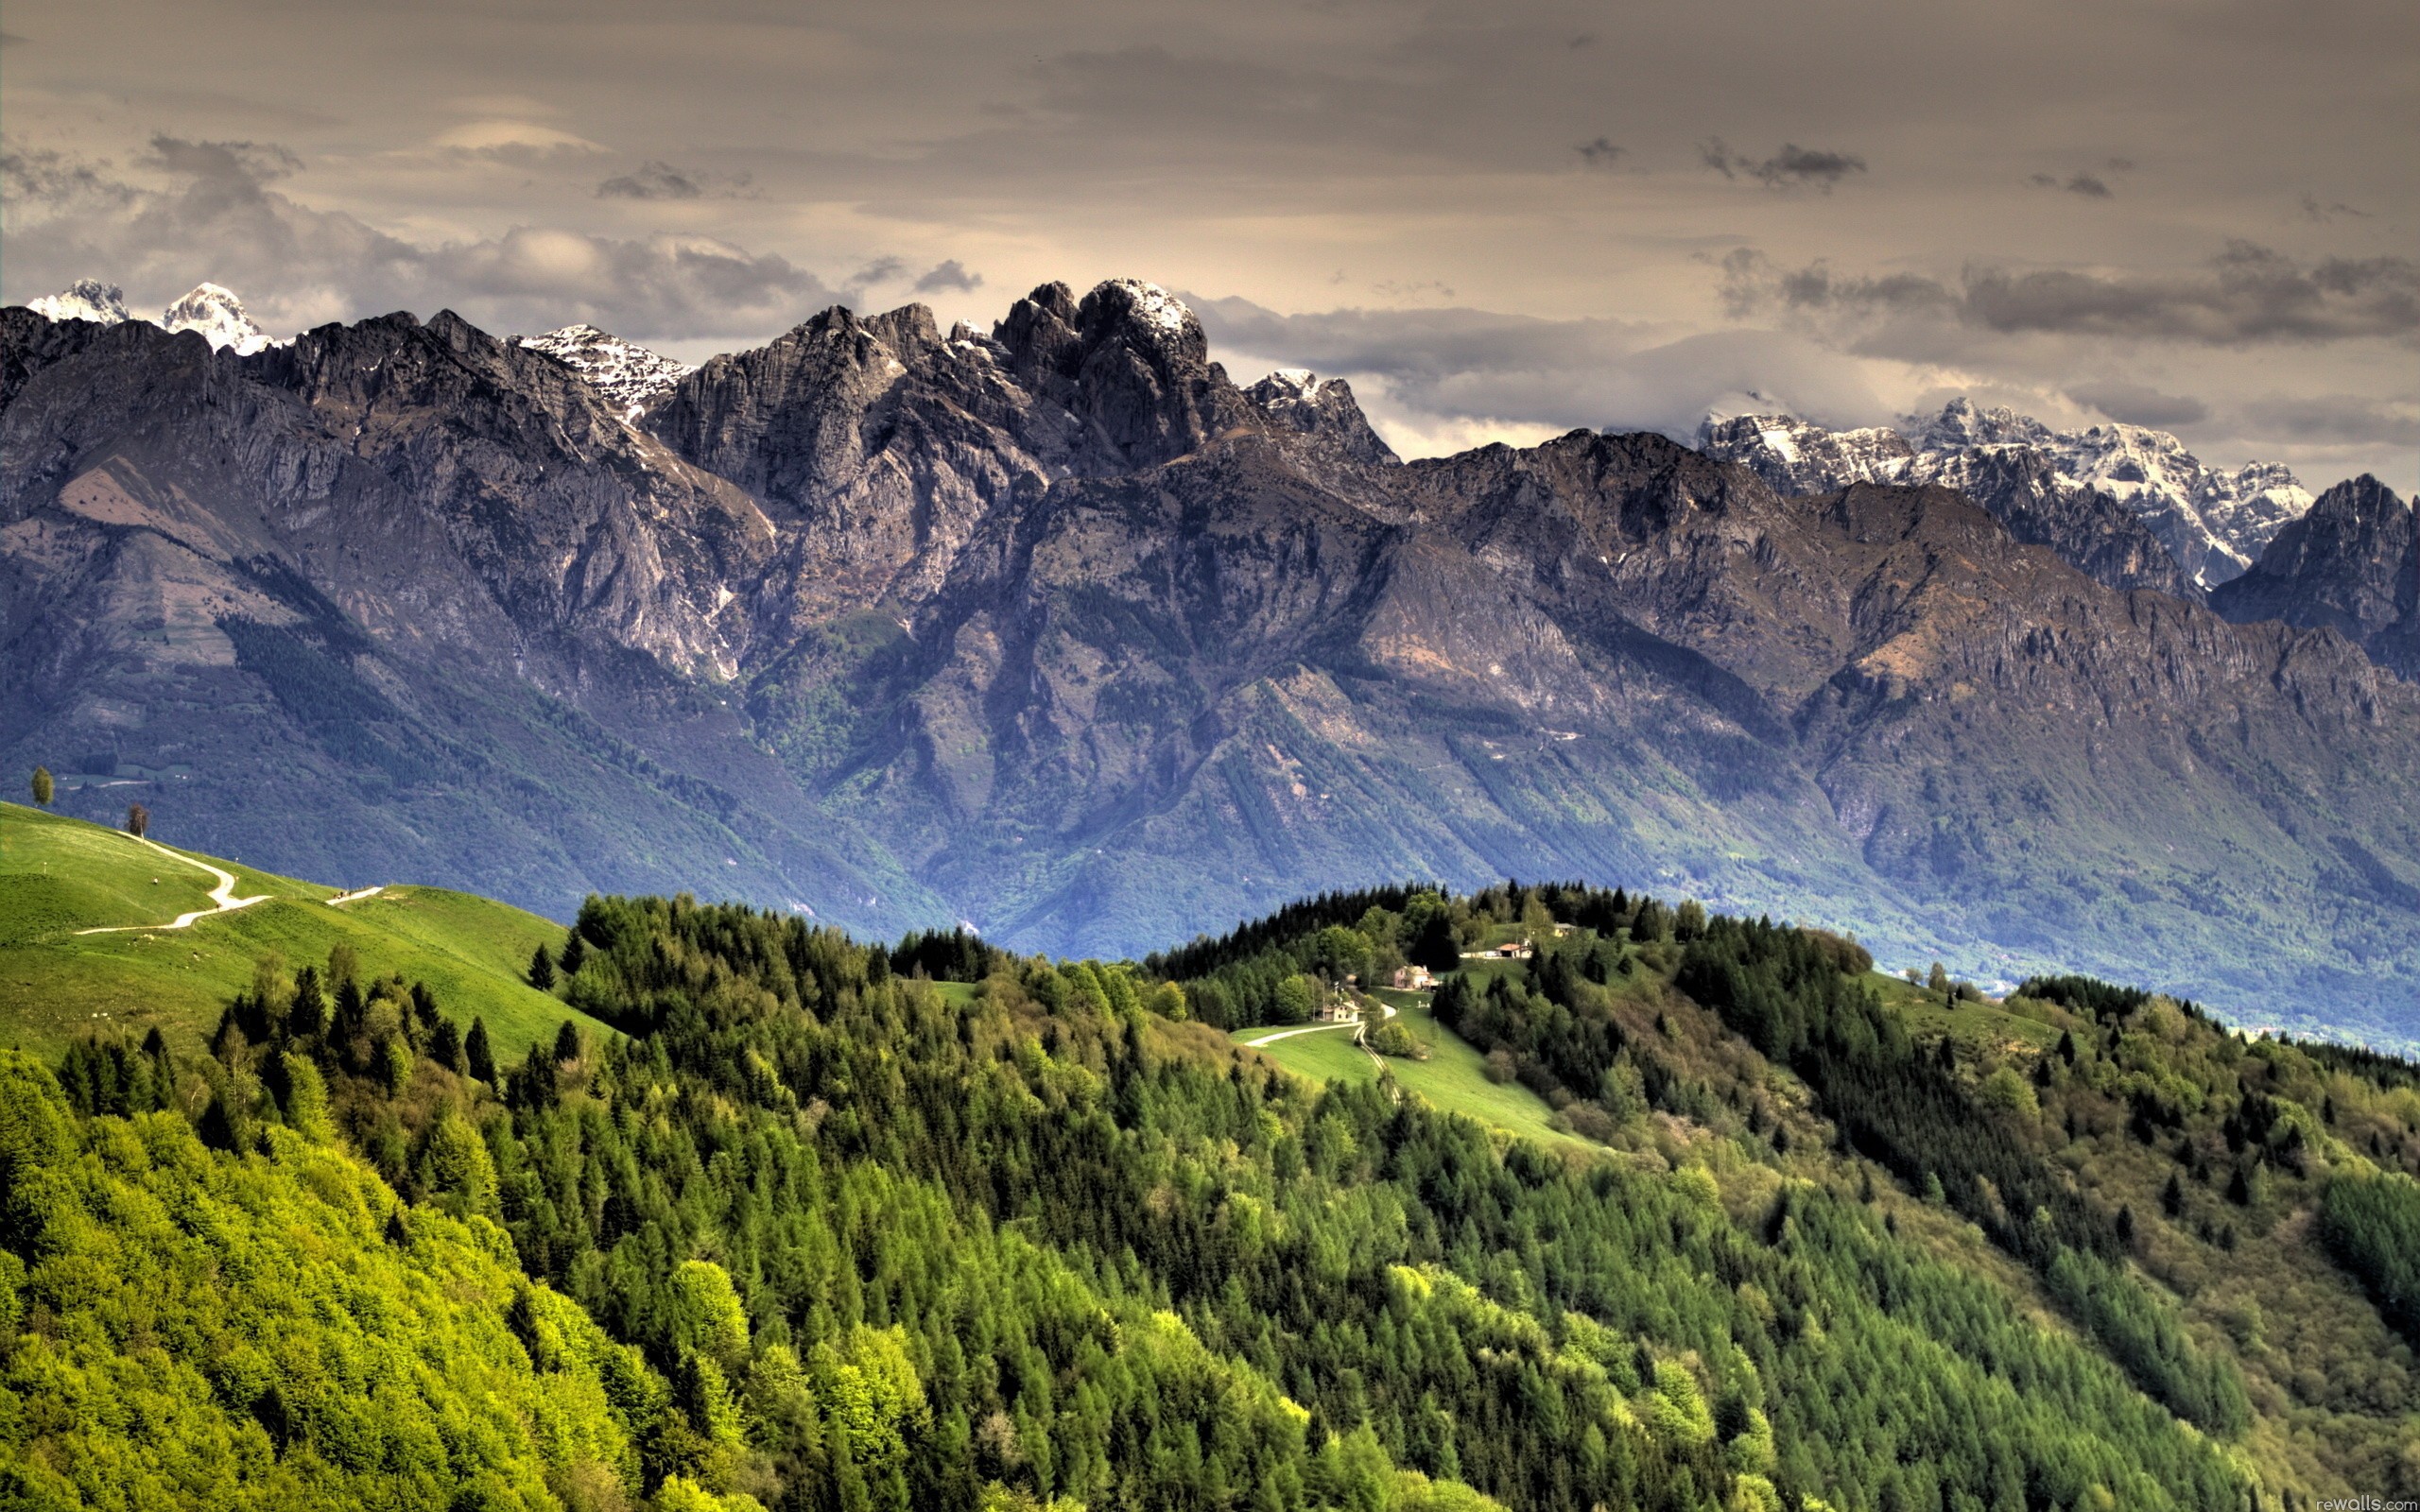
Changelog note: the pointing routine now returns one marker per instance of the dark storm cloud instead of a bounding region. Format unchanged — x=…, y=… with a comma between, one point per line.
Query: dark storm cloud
x=219, y=218
x=2247, y=295
x=1462, y=364
x=951, y=275
x=1792, y=165
x=2140, y=404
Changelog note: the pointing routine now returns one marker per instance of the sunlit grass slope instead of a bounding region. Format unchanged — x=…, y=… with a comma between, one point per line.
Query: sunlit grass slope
x=1453, y=1080
x=58, y=876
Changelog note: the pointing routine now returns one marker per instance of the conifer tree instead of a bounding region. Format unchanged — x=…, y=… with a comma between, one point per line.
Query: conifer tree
x=478, y=1053
x=575, y=954
x=542, y=970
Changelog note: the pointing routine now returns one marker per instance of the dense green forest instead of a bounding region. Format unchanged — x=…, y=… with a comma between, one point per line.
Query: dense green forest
x=819, y=1224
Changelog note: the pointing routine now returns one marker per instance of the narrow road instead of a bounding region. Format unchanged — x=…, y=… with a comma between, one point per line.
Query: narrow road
x=222, y=896
x=1314, y=1029
x=354, y=895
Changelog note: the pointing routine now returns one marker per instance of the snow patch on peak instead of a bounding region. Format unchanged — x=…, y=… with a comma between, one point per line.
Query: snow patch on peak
x=87, y=299
x=628, y=377
x=1155, y=305
x=1293, y=383
x=221, y=316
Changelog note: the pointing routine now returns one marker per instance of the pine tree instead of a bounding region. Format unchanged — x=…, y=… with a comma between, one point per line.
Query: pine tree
x=2171, y=1196
x=575, y=954
x=567, y=1042
x=41, y=786
x=478, y=1053
x=542, y=970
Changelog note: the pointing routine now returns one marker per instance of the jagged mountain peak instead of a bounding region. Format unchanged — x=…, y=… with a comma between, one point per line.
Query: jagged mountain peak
x=1322, y=409
x=87, y=299
x=628, y=376
x=215, y=311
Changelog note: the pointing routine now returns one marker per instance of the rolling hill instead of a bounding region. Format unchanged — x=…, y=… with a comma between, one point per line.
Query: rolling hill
x=63, y=879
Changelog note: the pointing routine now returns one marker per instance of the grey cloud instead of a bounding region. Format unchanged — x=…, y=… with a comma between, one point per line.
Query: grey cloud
x=296, y=267
x=2339, y=418
x=880, y=271
x=222, y=161
x=656, y=179
x=2081, y=183
x=1792, y=165
x=2138, y=405
x=1599, y=153
x=50, y=181
x=949, y=275
x=2247, y=294
x=2314, y=211
x=1466, y=364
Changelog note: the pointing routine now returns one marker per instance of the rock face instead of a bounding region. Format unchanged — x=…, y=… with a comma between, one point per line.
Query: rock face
x=1057, y=631
x=2352, y=564
x=2208, y=522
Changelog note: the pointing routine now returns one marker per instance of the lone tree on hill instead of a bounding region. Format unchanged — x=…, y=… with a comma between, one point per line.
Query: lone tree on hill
x=542, y=970
x=41, y=787
x=138, y=820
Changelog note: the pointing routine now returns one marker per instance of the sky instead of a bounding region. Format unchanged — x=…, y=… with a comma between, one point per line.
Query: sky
x=1500, y=219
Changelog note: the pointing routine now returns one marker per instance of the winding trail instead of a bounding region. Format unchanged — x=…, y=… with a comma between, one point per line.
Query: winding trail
x=222, y=896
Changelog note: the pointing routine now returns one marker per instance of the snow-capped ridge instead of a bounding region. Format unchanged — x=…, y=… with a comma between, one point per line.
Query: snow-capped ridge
x=630, y=377
x=2213, y=521
x=87, y=299
x=211, y=309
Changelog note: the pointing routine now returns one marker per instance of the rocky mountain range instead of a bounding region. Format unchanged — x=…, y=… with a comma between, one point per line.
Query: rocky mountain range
x=1059, y=630
x=2080, y=485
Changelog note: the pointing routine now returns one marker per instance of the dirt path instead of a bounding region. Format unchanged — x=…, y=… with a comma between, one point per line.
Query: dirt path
x=1314, y=1029
x=355, y=895
x=222, y=896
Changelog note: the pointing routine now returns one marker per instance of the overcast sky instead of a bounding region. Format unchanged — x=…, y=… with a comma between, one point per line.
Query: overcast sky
x=1502, y=219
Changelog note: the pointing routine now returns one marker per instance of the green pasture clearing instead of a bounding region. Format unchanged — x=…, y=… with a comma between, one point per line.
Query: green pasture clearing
x=1453, y=1080
x=61, y=875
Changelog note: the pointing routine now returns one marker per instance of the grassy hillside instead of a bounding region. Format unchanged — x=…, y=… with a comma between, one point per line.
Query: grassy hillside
x=60, y=876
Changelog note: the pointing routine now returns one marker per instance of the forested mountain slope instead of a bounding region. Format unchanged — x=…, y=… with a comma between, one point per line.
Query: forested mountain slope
x=935, y=1226
x=1058, y=631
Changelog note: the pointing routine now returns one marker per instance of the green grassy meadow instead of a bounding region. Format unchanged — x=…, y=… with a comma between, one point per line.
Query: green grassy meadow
x=61, y=875
x=1453, y=1080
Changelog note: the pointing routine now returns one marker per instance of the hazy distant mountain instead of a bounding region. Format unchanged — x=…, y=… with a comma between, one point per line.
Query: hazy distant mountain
x=213, y=311
x=2210, y=522
x=1057, y=629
